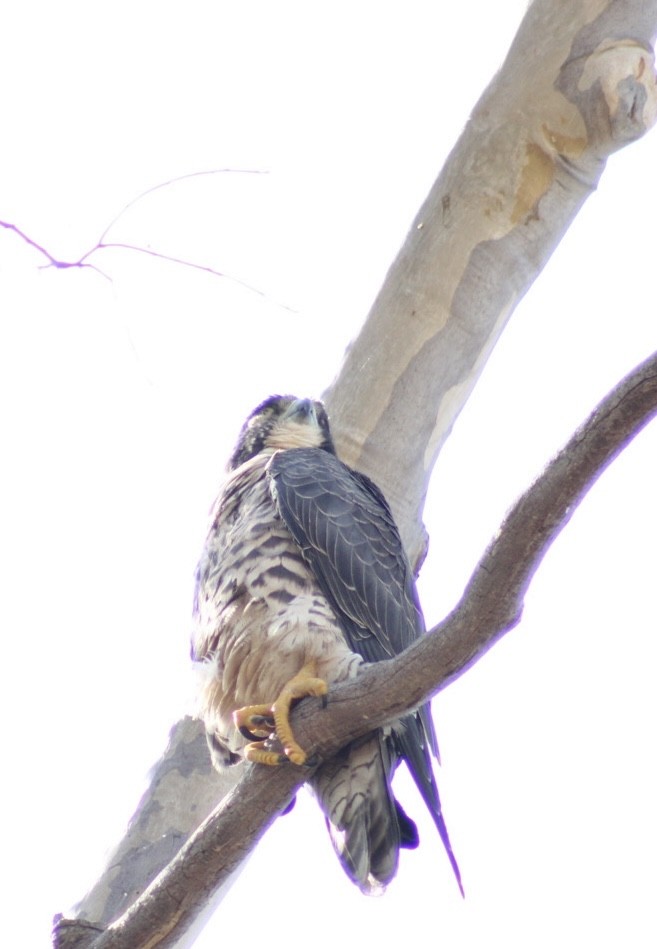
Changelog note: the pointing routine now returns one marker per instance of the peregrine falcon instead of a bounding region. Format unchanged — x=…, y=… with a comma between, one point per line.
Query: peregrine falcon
x=303, y=578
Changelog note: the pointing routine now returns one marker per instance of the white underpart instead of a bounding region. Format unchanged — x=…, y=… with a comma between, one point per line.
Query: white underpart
x=260, y=614
x=292, y=434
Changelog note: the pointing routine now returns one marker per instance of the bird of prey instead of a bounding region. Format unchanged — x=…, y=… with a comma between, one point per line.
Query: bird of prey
x=302, y=579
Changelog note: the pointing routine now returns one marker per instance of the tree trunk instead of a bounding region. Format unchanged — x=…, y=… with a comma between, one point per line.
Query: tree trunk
x=577, y=84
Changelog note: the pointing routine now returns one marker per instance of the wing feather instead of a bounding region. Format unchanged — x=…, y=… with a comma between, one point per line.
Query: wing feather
x=346, y=532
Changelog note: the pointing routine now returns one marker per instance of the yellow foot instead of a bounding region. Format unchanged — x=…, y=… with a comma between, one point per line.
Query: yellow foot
x=305, y=683
x=259, y=721
x=255, y=721
x=256, y=751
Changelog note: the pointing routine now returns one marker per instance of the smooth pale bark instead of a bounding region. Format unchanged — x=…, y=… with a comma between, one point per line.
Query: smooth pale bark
x=578, y=83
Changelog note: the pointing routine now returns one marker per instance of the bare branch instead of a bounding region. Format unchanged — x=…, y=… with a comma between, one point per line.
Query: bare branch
x=185, y=263
x=168, y=184
x=101, y=244
x=490, y=606
x=577, y=83
x=52, y=261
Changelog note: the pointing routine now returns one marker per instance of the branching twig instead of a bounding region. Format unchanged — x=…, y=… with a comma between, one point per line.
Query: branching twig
x=52, y=261
x=167, y=184
x=102, y=244
x=490, y=606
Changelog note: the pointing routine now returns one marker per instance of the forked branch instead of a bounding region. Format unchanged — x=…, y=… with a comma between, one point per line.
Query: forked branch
x=84, y=261
x=491, y=605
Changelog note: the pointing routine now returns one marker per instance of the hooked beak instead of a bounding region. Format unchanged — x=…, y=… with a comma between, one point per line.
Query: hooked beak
x=302, y=410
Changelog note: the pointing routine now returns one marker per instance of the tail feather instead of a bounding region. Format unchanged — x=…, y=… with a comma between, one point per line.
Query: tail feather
x=413, y=748
x=362, y=816
x=366, y=824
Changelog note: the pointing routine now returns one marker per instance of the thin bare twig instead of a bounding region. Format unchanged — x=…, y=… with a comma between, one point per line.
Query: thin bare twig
x=52, y=261
x=188, y=263
x=101, y=244
x=173, y=181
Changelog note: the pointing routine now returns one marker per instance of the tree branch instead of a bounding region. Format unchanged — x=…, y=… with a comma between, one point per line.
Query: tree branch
x=491, y=605
x=577, y=84
x=101, y=244
x=571, y=91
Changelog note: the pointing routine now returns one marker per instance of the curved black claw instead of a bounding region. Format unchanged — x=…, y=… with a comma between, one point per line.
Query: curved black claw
x=243, y=730
x=311, y=761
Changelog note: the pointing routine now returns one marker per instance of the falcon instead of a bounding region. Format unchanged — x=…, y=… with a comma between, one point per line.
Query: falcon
x=304, y=578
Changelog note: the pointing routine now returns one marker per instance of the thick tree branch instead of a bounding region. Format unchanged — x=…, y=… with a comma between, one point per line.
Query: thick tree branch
x=490, y=606
x=577, y=84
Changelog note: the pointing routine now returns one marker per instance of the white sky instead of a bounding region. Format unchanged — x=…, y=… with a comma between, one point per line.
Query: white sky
x=121, y=399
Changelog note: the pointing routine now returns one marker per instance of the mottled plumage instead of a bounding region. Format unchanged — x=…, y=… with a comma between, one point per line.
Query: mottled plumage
x=303, y=563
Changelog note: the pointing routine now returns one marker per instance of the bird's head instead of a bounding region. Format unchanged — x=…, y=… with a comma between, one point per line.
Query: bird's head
x=279, y=423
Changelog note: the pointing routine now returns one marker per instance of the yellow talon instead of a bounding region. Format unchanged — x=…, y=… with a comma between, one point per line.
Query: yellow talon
x=255, y=751
x=303, y=684
x=249, y=721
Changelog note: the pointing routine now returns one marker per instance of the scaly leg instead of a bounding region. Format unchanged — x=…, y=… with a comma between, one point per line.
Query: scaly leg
x=254, y=720
x=256, y=751
x=305, y=683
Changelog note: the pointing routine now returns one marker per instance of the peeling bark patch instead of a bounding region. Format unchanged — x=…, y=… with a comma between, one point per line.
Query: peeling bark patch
x=570, y=146
x=628, y=119
x=618, y=68
x=535, y=179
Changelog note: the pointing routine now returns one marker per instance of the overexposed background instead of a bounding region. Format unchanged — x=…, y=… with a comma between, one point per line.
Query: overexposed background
x=123, y=391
